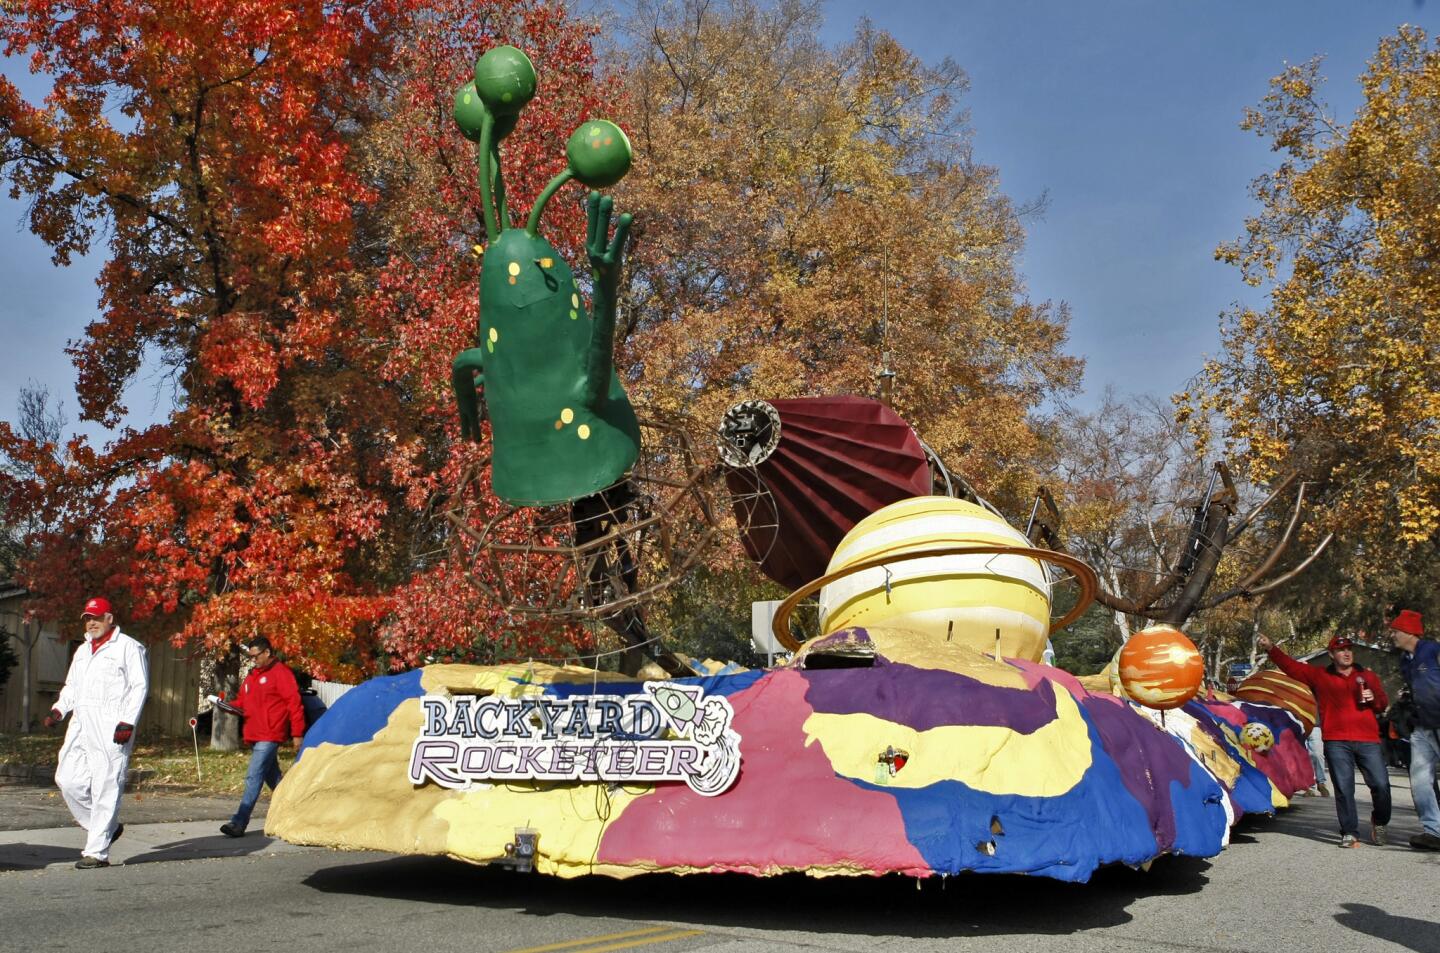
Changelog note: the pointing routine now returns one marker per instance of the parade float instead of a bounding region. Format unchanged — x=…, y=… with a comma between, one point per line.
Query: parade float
x=914, y=731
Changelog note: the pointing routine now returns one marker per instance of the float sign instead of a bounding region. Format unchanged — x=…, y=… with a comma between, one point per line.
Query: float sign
x=668, y=732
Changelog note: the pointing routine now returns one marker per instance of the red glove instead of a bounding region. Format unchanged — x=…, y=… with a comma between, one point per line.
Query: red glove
x=123, y=732
x=53, y=719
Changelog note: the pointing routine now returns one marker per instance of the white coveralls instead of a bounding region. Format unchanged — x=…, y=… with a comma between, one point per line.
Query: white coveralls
x=102, y=689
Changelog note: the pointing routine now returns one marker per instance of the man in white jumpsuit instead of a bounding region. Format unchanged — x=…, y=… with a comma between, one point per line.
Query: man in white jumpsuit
x=105, y=689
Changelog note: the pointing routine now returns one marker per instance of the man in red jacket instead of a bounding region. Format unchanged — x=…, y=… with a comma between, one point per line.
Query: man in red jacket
x=1349, y=697
x=269, y=701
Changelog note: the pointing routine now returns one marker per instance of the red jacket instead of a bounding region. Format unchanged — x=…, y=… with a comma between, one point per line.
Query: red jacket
x=1341, y=717
x=268, y=699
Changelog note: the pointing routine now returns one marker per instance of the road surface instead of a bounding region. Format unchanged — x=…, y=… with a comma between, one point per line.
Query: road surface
x=1281, y=886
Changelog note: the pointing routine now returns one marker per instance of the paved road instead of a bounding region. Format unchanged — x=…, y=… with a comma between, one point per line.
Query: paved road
x=1281, y=886
x=27, y=808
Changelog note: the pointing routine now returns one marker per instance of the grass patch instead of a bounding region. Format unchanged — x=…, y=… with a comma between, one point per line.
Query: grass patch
x=30, y=749
x=161, y=762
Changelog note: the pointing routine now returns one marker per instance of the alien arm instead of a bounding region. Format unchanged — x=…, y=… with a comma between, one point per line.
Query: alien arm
x=606, y=262
x=463, y=379
x=502, y=211
x=487, y=151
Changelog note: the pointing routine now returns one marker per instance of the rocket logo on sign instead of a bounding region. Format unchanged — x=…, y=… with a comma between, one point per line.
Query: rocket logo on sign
x=669, y=732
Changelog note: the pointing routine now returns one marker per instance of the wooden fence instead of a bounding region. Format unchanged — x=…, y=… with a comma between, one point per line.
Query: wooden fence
x=174, y=690
x=330, y=692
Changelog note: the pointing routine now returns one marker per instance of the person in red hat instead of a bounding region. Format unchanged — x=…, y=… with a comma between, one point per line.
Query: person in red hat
x=105, y=689
x=1420, y=667
x=1350, y=698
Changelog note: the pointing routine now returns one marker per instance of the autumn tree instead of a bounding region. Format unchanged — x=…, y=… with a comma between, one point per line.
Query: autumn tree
x=807, y=214
x=421, y=243
x=1120, y=474
x=1125, y=477
x=205, y=144
x=289, y=219
x=40, y=422
x=1175, y=539
x=1337, y=375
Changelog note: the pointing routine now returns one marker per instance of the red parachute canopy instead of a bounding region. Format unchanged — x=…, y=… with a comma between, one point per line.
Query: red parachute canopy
x=822, y=465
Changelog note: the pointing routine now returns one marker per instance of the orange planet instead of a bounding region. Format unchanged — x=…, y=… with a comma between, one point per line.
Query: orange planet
x=1160, y=667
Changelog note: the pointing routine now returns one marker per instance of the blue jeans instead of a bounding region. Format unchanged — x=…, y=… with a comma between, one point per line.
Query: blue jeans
x=1424, y=755
x=1342, y=758
x=1315, y=747
x=264, y=769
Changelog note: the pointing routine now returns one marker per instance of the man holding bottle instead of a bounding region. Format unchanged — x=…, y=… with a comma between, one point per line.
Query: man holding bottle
x=1349, y=697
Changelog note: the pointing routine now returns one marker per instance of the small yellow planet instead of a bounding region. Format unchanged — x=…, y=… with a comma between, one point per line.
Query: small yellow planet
x=1257, y=735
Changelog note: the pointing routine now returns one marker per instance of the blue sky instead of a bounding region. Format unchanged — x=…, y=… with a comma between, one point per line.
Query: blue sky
x=1125, y=112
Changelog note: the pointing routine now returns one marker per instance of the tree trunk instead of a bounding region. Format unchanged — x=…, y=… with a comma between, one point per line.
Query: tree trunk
x=27, y=636
x=1122, y=621
x=1214, y=535
x=27, y=642
x=225, y=728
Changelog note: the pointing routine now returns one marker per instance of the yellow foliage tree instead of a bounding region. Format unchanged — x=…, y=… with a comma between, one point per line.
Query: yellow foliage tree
x=1339, y=374
x=803, y=211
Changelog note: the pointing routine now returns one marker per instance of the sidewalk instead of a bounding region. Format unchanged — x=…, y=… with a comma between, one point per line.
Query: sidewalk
x=36, y=829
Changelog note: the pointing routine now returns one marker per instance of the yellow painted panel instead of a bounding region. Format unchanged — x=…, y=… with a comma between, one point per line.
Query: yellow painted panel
x=1045, y=763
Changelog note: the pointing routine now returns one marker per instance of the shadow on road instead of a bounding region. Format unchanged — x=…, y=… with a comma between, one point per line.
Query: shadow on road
x=217, y=845
x=968, y=905
x=35, y=856
x=1423, y=936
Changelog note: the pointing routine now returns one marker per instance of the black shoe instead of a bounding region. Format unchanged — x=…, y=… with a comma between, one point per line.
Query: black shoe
x=1425, y=841
x=119, y=829
x=230, y=830
x=90, y=863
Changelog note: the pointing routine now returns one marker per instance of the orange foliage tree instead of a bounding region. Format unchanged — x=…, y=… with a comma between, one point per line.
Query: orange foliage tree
x=1337, y=375
x=807, y=218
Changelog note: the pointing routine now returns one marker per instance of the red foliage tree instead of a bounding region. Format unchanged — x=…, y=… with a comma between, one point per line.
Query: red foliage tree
x=290, y=219
x=430, y=226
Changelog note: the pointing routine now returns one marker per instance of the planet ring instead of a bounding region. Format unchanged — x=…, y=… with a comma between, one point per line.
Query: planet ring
x=780, y=625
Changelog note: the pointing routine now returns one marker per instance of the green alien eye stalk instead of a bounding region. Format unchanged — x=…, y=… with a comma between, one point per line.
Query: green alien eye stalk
x=561, y=424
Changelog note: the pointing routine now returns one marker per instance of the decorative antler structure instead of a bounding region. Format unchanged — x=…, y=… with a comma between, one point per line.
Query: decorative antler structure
x=1182, y=588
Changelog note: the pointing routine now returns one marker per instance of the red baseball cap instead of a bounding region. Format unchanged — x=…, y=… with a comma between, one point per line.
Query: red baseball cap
x=97, y=607
x=1408, y=621
x=1339, y=643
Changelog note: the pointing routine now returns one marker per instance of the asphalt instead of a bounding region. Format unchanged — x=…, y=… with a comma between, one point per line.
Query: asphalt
x=1280, y=886
x=177, y=884
x=27, y=807
x=37, y=831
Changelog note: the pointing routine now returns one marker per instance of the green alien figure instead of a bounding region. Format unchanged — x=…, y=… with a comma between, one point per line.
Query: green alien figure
x=561, y=424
